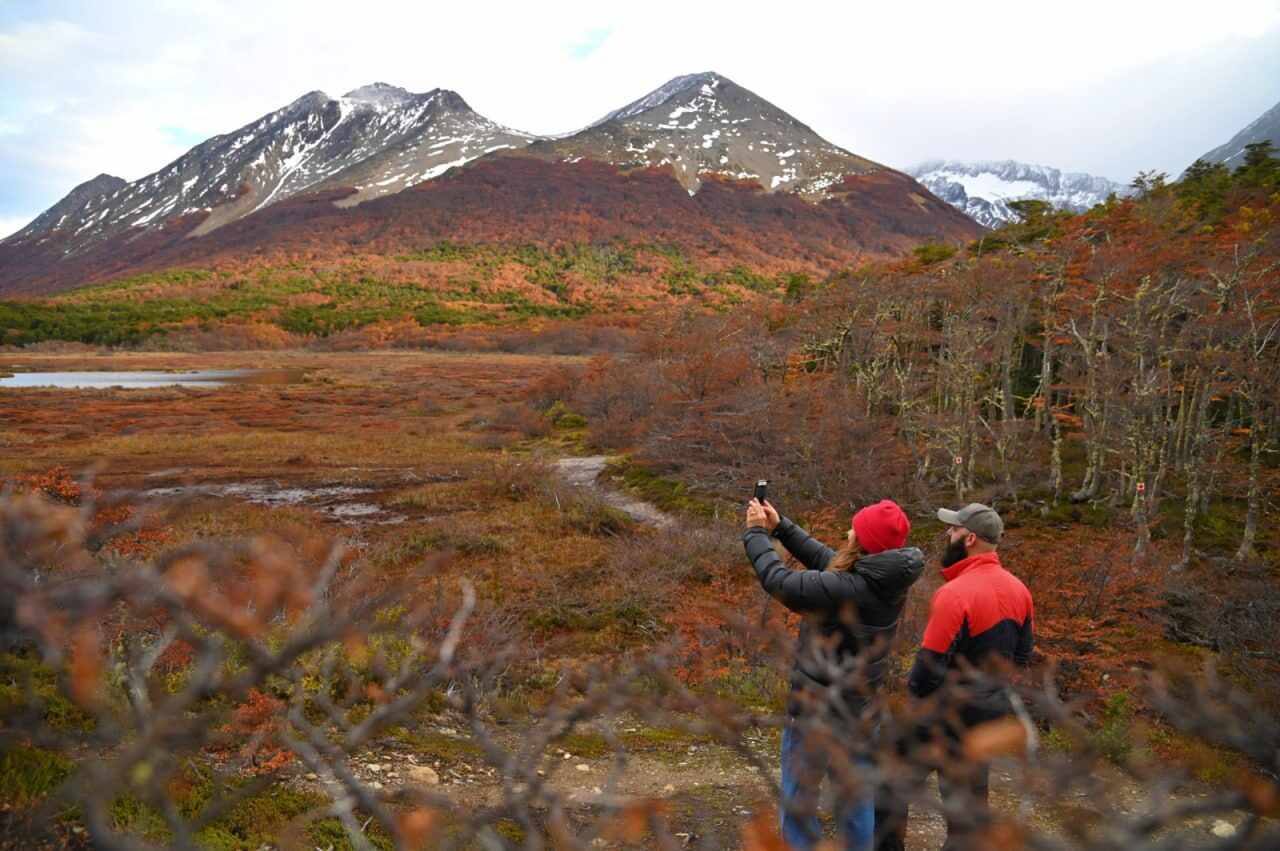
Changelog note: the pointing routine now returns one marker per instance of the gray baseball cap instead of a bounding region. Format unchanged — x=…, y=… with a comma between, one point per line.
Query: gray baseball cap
x=979, y=519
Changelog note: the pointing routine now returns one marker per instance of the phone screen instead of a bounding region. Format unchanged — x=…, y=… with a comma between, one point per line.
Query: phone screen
x=762, y=488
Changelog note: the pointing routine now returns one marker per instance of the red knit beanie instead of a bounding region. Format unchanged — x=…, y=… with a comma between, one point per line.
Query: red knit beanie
x=883, y=526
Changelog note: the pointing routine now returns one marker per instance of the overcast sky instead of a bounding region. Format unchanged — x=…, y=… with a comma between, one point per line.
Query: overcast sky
x=1103, y=87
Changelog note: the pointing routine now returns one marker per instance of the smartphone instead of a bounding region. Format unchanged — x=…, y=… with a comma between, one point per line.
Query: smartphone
x=762, y=488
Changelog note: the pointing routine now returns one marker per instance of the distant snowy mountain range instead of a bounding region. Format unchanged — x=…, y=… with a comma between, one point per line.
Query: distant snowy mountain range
x=983, y=190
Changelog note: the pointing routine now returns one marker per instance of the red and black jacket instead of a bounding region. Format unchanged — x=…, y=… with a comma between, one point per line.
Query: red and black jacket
x=981, y=610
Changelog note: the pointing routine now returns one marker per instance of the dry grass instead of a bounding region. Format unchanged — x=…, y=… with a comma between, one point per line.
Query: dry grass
x=400, y=423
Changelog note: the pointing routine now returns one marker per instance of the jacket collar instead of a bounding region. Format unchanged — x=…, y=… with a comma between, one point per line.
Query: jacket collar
x=980, y=560
x=892, y=569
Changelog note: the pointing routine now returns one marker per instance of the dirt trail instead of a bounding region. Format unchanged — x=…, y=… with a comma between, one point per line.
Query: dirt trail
x=711, y=790
x=585, y=473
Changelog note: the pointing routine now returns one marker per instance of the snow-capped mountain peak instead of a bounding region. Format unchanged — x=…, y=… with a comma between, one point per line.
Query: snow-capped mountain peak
x=983, y=189
x=377, y=139
x=705, y=124
x=705, y=83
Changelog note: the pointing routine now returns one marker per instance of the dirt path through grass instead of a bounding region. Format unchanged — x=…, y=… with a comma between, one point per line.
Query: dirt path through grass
x=585, y=473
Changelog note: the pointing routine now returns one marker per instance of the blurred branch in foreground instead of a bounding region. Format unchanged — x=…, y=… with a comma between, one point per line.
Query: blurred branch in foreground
x=226, y=693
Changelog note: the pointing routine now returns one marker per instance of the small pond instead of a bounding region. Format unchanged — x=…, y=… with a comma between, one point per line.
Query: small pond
x=103, y=380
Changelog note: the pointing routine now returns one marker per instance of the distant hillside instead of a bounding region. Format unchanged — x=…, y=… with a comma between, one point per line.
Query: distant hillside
x=1265, y=128
x=518, y=200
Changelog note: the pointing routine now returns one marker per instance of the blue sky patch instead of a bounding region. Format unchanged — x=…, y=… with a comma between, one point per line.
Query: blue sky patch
x=183, y=136
x=590, y=42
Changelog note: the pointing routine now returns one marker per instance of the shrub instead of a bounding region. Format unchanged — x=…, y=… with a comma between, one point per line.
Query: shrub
x=933, y=252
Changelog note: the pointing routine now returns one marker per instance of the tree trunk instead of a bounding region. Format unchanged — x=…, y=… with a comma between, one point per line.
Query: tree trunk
x=1055, y=463
x=1257, y=432
x=1197, y=429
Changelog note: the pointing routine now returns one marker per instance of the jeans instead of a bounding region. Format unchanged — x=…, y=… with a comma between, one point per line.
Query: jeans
x=964, y=787
x=802, y=771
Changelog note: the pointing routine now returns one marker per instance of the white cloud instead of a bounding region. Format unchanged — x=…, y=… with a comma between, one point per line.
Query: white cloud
x=95, y=91
x=11, y=225
x=32, y=43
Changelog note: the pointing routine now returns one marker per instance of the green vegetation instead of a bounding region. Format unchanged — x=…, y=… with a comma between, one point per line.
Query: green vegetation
x=743, y=277
x=26, y=683
x=27, y=775
x=435, y=745
x=593, y=517
x=797, y=285
x=251, y=824
x=129, y=311
x=751, y=686
x=589, y=745
x=682, y=276
x=933, y=252
x=322, y=302
x=666, y=493
x=1113, y=736
x=1038, y=221
x=672, y=739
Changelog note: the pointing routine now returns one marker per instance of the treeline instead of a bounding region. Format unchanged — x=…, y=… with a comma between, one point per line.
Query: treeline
x=1121, y=360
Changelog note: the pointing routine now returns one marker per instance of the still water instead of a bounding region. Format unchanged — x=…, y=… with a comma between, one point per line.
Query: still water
x=200, y=378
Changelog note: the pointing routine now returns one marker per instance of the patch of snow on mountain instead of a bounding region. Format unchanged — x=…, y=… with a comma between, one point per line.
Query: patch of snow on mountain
x=990, y=186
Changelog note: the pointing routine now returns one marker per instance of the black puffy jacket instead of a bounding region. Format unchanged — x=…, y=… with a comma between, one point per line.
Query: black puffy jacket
x=852, y=615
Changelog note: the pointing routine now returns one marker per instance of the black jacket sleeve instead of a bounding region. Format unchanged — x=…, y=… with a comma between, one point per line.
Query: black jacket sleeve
x=928, y=673
x=1022, y=652
x=810, y=552
x=802, y=590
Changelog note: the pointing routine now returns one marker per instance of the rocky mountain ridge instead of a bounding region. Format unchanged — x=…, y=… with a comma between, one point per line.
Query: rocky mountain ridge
x=377, y=139
x=706, y=124
x=1264, y=128
x=983, y=189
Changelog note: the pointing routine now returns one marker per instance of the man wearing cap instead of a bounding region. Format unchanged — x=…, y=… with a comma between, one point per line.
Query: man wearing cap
x=982, y=613
x=852, y=600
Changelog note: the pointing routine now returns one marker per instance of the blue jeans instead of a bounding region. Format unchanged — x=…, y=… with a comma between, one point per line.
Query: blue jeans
x=802, y=772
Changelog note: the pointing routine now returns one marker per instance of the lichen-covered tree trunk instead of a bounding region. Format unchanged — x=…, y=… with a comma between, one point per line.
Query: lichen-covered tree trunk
x=1257, y=434
x=1198, y=436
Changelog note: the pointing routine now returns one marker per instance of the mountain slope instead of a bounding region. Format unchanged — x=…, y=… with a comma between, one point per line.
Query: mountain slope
x=983, y=189
x=378, y=139
x=702, y=124
x=1265, y=127
x=515, y=200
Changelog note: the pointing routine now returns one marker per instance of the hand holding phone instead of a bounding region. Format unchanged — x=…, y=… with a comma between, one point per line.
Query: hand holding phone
x=770, y=514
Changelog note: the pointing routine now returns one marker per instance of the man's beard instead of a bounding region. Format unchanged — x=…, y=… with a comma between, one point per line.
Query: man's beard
x=955, y=552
